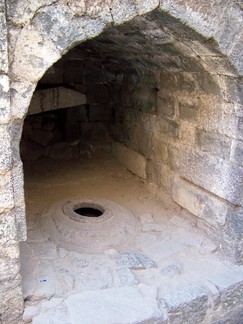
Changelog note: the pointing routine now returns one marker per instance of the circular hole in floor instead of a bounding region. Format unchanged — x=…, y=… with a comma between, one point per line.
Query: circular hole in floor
x=88, y=212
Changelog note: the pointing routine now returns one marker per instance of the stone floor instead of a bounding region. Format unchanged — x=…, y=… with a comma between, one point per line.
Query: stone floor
x=171, y=273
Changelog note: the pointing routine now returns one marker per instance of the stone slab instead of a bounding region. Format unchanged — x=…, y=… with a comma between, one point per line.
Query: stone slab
x=4, y=98
x=199, y=202
x=215, y=143
x=114, y=306
x=126, y=277
x=133, y=161
x=216, y=175
x=135, y=261
x=55, y=98
x=189, y=304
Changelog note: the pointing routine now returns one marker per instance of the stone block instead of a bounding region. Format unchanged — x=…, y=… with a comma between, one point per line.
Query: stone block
x=215, y=143
x=6, y=192
x=5, y=148
x=55, y=98
x=213, y=174
x=130, y=136
x=219, y=65
x=160, y=174
x=126, y=277
x=20, y=218
x=3, y=44
x=8, y=230
x=144, y=138
x=123, y=12
x=228, y=123
x=130, y=305
x=233, y=235
x=188, y=112
x=208, y=84
x=160, y=150
x=100, y=113
x=73, y=72
x=169, y=128
x=29, y=313
x=16, y=132
x=181, y=81
x=172, y=270
x=189, y=304
x=237, y=152
x=166, y=106
x=98, y=93
x=11, y=300
x=135, y=261
x=18, y=184
x=187, y=133
x=168, y=82
x=173, y=157
x=133, y=161
x=9, y=252
x=240, y=127
x=233, y=89
x=4, y=99
x=230, y=287
x=166, y=177
x=145, y=6
x=153, y=172
x=199, y=202
x=145, y=99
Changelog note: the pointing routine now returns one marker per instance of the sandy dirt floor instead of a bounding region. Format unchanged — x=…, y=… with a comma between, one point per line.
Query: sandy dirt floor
x=169, y=262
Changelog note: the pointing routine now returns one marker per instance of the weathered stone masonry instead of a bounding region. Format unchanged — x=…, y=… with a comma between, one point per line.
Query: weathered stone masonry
x=175, y=104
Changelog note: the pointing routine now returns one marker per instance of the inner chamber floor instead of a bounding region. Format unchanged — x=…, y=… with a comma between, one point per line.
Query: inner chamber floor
x=170, y=273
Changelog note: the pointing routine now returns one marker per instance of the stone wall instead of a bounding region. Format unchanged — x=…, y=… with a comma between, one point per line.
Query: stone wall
x=11, y=206
x=205, y=131
x=174, y=125
x=74, y=98
x=170, y=122
x=177, y=116
x=187, y=154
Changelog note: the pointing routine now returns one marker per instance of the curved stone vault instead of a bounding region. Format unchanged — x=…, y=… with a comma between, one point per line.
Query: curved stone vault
x=186, y=54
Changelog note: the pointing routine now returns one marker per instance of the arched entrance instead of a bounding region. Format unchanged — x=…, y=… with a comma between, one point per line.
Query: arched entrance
x=196, y=139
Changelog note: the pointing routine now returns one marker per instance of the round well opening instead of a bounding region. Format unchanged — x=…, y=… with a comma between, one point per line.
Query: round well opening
x=88, y=212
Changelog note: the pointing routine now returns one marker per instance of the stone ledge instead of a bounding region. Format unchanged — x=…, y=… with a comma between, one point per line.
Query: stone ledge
x=212, y=174
x=133, y=161
x=55, y=98
x=199, y=202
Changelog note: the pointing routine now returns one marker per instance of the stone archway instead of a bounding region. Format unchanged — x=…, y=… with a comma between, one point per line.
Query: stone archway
x=38, y=38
